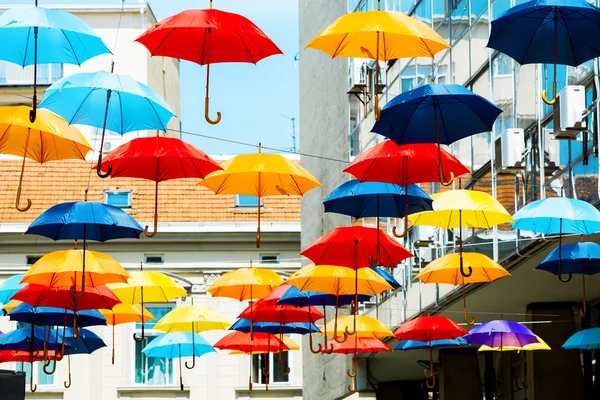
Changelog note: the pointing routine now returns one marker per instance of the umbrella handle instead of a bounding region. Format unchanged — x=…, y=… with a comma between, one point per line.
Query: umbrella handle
x=564, y=280
x=141, y=338
x=99, y=166
x=193, y=351
x=466, y=274
x=324, y=347
x=352, y=374
x=52, y=371
x=310, y=340
x=472, y=321
x=439, y=149
x=284, y=371
x=18, y=199
x=193, y=362
x=33, y=111
x=442, y=179
x=403, y=234
x=146, y=232
x=32, y=387
x=206, y=101
x=553, y=100
x=377, y=261
x=430, y=383
x=73, y=290
x=429, y=373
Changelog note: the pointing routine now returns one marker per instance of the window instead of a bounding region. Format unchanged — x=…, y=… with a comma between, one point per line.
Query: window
x=275, y=369
x=39, y=377
x=15, y=75
x=154, y=258
x=242, y=200
x=152, y=371
x=118, y=198
x=269, y=258
x=30, y=260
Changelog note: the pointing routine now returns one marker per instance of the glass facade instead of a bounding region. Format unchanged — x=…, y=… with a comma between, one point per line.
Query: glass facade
x=150, y=370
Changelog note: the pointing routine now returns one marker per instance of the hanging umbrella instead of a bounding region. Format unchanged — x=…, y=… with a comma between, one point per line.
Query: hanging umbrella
x=79, y=99
x=548, y=32
x=434, y=344
x=556, y=216
x=429, y=329
x=389, y=278
x=158, y=159
x=540, y=345
x=260, y=312
x=576, y=258
x=587, y=339
x=193, y=319
x=178, y=345
x=292, y=346
x=500, y=333
x=376, y=199
x=50, y=316
x=9, y=287
x=152, y=287
x=440, y=114
x=49, y=138
x=260, y=175
x=208, y=37
x=378, y=35
x=85, y=221
x=450, y=269
x=95, y=298
x=37, y=35
x=123, y=314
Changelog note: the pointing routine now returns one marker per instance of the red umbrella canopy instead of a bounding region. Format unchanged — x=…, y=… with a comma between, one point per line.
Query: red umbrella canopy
x=24, y=356
x=280, y=314
x=357, y=345
x=403, y=165
x=97, y=298
x=208, y=37
x=429, y=328
x=351, y=247
x=158, y=159
x=273, y=298
x=242, y=341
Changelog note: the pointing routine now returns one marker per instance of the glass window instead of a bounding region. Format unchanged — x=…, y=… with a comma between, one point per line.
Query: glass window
x=13, y=74
x=242, y=200
x=459, y=20
x=151, y=370
x=30, y=260
x=39, y=376
x=154, y=258
x=577, y=74
x=269, y=258
x=499, y=7
x=423, y=12
x=275, y=369
x=118, y=198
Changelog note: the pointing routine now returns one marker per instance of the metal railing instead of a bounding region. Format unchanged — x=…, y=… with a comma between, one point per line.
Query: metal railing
x=14, y=75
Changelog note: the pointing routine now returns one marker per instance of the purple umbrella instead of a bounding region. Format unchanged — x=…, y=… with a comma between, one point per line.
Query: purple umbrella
x=500, y=333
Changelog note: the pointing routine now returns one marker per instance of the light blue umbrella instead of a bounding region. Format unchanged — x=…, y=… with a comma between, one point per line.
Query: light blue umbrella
x=36, y=35
x=556, y=216
x=587, y=339
x=128, y=104
x=178, y=345
x=9, y=287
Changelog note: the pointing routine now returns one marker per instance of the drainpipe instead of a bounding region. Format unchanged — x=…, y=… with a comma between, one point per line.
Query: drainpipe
x=597, y=111
x=540, y=111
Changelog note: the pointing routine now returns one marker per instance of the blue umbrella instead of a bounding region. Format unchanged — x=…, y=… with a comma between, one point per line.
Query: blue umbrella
x=377, y=199
x=439, y=114
x=243, y=325
x=49, y=316
x=434, y=344
x=548, y=31
x=36, y=35
x=293, y=296
x=587, y=339
x=556, y=216
x=575, y=258
x=21, y=339
x=178, y=345
x=387, y=276
x=79, y=98
x=9, y=287
x=86, y=221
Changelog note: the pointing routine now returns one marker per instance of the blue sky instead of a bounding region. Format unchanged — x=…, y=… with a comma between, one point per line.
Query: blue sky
x=251, y=98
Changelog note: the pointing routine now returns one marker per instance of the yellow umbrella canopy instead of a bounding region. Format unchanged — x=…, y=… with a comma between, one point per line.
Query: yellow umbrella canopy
x=365, y=326
x=192, y=319
x=540, y=345
x=11, y=305
x=49, y=138
x=64, y=267
x=446, y=269
x=260, y=175
x=245, y=283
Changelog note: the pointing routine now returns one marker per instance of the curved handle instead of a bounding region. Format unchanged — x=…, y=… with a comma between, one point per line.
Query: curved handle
x=73, y=290
x=67, y=385
x=466, y=274
x=33, y=111
x=442, y=179
x=564, y=280
x=76, y=332
x=395, y=233
x=282, y=369
x=207, y=117
x=430, y=383
x=429, y=373
x=472, y=321
x=342, y=340
x=99, y=168
x=193, y=362
x=18, y=200
x=32, y=387
x=141, y=339
x=348, y=333
x=265, y=370
x=352, y=374
x=52, y=371
x=147, y=232
x=377, y=261
x=310, y=342
x=553, y=100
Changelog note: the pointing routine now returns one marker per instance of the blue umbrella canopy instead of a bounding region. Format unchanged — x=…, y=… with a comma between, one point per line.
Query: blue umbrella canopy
x=243, y=325
x=376, y=199
x=102, y=222
x=20, y=339
x=294, y=297
x=435, y=344
x=178, y=345
x=9, y=287
x=387, y=276
x=575, y=258
x=87, y=341
x=49, y=316
x=587, y=339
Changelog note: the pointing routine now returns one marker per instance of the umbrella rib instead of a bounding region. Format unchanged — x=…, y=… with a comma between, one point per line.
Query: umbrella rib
x=81, y=105
x=26, y=48
x=155, y=112
x=162, y=42
x=339, y=45
x=71, y=46
x=569, y=37
x=297, y=186
x=247, y=49
x=532, y=36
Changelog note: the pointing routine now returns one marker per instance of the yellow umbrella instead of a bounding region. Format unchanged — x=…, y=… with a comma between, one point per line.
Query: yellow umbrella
x=124, y=313
x=260, y=175
x=152, y=287
x=64, y=267
x=11, y=305
x=541, y=345
x=49, y=138
x=194, y=319
x=449, y=269
x=378, y=35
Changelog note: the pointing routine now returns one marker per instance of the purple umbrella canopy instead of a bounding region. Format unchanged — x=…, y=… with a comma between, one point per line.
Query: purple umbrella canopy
x=499, y=333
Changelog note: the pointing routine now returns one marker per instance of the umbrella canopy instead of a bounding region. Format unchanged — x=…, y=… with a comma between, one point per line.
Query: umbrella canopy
x=403, y=165
x=158, y=159
x=388, y=277
x=20, y=356
x=207, y=37
x=101, y=222
x=446, y=269
x=155, y=287
x=434, y=344
x=86, y=342
x=48, y=138
x=260, y=311
x=49, y=316
x=293, y=296
x=261, y=341
x=499, y=333
x=9, y=287
x=177, y=345
x=126, y=313
x=292, y=346
x=587, y=339
x=260, y=175
x=21, y=339
x=365, y=326
x=541, y=345
x=11, y=305
x=66, y=267
x=192, y=319
x=245, y=283
x=358, y=345
x=243, y=325
x=429, y=328
x=99, y=297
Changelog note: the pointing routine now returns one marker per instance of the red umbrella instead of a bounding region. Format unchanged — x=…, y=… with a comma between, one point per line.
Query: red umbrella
x=403, y=165
x=280, y=314
x=208, y=37
x=158, y=159
x=20, y=356
x=427, y=329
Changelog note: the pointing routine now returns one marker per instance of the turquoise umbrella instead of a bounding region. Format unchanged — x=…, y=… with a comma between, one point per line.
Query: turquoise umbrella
x=9, y=287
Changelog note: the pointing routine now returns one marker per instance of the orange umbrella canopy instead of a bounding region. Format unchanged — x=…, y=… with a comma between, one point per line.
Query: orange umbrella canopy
x=246, y=283
x=357, y=345
x=261, y=341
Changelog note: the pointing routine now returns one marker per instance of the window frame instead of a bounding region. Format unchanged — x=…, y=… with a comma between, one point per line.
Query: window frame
x=129, y=193
x=239, y=204
x=28, y=256
x=150, y=255
x=272, y=366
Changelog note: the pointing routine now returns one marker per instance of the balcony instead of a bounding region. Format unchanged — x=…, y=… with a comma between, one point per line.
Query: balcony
x=14, y=75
